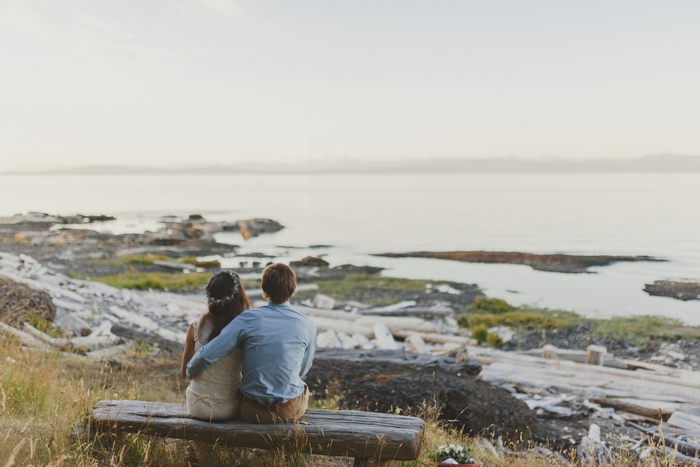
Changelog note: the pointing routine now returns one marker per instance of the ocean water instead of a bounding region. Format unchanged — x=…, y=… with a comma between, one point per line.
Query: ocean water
x=618, y=214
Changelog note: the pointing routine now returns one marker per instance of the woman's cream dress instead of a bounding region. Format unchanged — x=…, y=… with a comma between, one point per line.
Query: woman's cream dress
x=213, y=395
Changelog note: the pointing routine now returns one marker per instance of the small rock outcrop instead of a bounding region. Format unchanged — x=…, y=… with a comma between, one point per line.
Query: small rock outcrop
x=17, y=302
x=571, y=264
x=680, y=290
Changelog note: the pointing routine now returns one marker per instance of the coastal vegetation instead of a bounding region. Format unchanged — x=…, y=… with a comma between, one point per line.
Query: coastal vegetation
x=151, y=258
x=486, y=313
x=479, y=316
x=44, y=395
x=345, y=288
x=376, y=290
x=154, y=280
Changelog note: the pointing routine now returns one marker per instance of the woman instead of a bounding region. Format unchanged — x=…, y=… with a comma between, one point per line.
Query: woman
x=213, y=395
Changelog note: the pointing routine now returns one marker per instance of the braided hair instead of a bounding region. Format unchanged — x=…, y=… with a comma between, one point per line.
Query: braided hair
x=226, y=299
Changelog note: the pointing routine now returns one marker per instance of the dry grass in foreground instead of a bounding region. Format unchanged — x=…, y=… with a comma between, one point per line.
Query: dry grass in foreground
x=42, y=396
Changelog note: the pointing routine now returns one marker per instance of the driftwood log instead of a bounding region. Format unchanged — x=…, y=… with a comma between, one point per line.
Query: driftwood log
x=641, y=392
x=136, y=335
x=579, y=356
x=688, y=449
x=366, y=436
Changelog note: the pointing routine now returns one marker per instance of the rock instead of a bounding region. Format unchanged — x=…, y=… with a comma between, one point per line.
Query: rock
x=550, y=263
x=680, y=290
x=311, y=269
x=461, y=354
x=18, y=301
x=254, y=227
x=381, y=386
x=310, y=262
x=349, y=269
x=34, y=221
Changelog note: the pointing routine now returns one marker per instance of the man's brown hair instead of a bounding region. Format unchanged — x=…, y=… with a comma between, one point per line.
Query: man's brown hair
x=278, y=282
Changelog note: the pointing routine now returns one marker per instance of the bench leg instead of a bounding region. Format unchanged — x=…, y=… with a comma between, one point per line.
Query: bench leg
x=83, y=433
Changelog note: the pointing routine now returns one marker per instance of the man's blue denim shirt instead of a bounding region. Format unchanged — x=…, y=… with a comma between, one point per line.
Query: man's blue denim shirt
x=278, y=347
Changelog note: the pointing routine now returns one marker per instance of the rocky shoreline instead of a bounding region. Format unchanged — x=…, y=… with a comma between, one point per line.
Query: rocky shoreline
x=383, y=342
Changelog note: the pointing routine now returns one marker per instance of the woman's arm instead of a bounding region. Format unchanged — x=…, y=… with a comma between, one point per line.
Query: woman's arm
x=189, y=351
x=221, y=345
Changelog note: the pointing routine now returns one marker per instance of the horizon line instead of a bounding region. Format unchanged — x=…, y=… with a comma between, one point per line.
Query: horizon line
x=664, y=163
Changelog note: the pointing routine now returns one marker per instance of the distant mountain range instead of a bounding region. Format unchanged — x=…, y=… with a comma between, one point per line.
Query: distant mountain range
x=648, y=164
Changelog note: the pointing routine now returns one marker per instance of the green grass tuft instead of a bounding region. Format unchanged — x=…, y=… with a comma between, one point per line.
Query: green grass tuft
x=345, y=288
x=485, y=313
x=480, y=332
x=43, y=325
x=520, y=318
x=155, y=280
x=490, y=305
x=493, y=340
x=138, y=259
x=201, y=264
x=639, y=329
x=150, y=258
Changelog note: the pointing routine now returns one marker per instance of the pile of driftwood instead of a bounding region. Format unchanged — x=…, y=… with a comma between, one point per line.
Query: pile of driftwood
x=86, y=311
x=421, y=330
x=663, y=403
x=98, y=320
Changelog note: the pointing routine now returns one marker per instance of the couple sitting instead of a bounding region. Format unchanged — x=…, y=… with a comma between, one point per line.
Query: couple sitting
x=249, y=362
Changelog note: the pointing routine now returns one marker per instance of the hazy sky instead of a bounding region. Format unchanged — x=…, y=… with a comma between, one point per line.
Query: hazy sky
x=178, y=82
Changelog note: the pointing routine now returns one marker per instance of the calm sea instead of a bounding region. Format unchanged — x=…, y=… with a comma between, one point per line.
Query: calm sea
x=358, y=215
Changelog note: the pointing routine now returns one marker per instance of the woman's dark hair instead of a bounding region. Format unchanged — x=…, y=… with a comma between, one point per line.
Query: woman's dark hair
x=223, y=307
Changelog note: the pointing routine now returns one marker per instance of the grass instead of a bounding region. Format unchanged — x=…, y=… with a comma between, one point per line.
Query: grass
x=44, y=326
x=149, y=259
x=486, y=312
x=42, y=396
x=346, y=288
x=155, y=280
x=215, y=263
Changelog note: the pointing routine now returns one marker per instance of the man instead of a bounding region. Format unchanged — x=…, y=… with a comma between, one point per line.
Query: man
x=278, y=347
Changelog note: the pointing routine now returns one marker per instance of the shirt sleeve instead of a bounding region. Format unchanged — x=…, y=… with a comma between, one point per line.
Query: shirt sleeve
x=309, y=354
x=217, y=348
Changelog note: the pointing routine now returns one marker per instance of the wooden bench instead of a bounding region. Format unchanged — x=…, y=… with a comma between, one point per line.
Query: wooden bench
x=371, y=438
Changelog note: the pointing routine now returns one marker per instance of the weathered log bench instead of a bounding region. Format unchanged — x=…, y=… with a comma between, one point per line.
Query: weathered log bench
x=367, y=436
